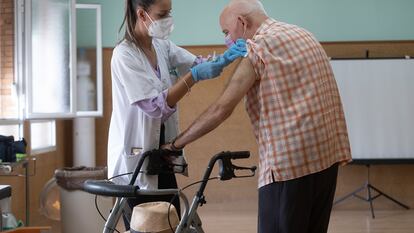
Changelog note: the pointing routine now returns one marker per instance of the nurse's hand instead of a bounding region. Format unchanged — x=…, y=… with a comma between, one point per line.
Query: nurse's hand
x=238, y=49
x=212, y=69
x=207, y=70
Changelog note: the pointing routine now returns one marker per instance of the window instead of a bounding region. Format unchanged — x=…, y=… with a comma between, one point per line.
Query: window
x=42, y=136
x=50, y=58
x=11, y=129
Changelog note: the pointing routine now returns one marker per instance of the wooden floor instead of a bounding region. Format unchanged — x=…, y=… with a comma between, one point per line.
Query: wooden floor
x=241, y=219
x=401, y=221
x=245, y=221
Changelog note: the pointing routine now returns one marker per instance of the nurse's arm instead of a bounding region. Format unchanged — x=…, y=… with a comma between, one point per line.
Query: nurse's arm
x=242, y=80
x=179, y=89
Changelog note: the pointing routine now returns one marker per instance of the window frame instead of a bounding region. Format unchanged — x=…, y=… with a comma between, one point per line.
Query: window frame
x=99, y=61
x=18, y=59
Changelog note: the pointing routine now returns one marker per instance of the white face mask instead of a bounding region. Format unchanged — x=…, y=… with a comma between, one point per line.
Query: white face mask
x=160, y=29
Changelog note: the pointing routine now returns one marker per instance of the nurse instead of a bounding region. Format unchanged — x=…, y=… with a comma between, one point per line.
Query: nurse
x=145, y=93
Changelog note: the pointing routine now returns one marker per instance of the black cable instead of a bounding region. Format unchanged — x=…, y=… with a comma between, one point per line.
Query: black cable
x=96, y=197
x=176, y=195
x=125, y=174
x=97, y=208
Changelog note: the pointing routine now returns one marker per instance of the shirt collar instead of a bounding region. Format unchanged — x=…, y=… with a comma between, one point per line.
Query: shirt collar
x=264, y=26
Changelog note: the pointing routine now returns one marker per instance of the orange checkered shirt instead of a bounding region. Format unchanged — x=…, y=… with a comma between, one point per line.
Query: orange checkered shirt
x=294, y=106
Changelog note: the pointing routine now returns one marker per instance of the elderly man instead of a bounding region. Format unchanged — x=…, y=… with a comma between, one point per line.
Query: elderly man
x=294, y=105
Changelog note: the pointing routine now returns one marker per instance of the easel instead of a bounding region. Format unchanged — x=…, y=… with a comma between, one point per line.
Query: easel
x=369, y=198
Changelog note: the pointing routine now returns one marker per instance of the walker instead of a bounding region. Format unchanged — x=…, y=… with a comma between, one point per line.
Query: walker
x=190, y=220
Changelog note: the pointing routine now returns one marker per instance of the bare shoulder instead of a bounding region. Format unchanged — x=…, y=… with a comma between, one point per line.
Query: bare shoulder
x=240, y=83
x=244, y=72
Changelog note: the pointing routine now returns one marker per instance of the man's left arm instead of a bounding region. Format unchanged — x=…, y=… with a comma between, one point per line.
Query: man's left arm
x=243, y=79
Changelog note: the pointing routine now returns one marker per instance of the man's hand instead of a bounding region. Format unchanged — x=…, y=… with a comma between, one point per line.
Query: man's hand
x=167, y=147
x=169, y=153
x=171, y=147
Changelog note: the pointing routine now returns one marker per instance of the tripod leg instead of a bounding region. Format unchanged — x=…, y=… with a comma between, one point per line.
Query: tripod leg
x=370, y=200
x=349, y=195
x=392, y=199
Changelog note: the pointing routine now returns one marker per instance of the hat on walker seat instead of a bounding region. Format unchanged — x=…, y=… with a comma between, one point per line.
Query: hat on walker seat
x=152, y=217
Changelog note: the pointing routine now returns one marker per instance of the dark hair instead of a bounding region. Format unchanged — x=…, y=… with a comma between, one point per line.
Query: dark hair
x=130, y=18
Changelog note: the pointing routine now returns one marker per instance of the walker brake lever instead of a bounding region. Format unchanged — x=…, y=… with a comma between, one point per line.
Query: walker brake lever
x=252, y=169
x=226, y=170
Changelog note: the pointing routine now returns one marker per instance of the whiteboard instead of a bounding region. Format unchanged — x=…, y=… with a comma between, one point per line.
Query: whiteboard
x=378, y=100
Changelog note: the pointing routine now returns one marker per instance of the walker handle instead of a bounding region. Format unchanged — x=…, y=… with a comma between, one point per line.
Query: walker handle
x=238, y=154
x=109, y=189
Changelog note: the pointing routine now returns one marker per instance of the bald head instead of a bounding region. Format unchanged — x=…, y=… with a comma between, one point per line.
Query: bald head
x=245, y=7
x=241, y=18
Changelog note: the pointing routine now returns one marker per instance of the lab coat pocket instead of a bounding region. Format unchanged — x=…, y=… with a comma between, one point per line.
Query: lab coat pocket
x=131, y=160
x=135, y=152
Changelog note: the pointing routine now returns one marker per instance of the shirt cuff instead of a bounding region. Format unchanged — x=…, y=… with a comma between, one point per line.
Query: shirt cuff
x=200, y=59
x=157, y=107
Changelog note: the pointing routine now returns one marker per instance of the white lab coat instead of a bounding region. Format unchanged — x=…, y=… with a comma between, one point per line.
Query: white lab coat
x=133, y=79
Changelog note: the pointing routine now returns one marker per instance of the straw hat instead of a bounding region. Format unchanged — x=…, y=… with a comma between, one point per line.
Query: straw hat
x=152, y=217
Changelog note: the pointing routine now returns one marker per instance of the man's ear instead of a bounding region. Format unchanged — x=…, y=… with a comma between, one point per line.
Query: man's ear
x=243, y=20
x=245, y=24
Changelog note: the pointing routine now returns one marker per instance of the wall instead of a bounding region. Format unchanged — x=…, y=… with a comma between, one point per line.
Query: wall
x=330, y=20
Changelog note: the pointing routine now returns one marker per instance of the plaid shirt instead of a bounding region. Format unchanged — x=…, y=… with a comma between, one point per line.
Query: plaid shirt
x=294, y=106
